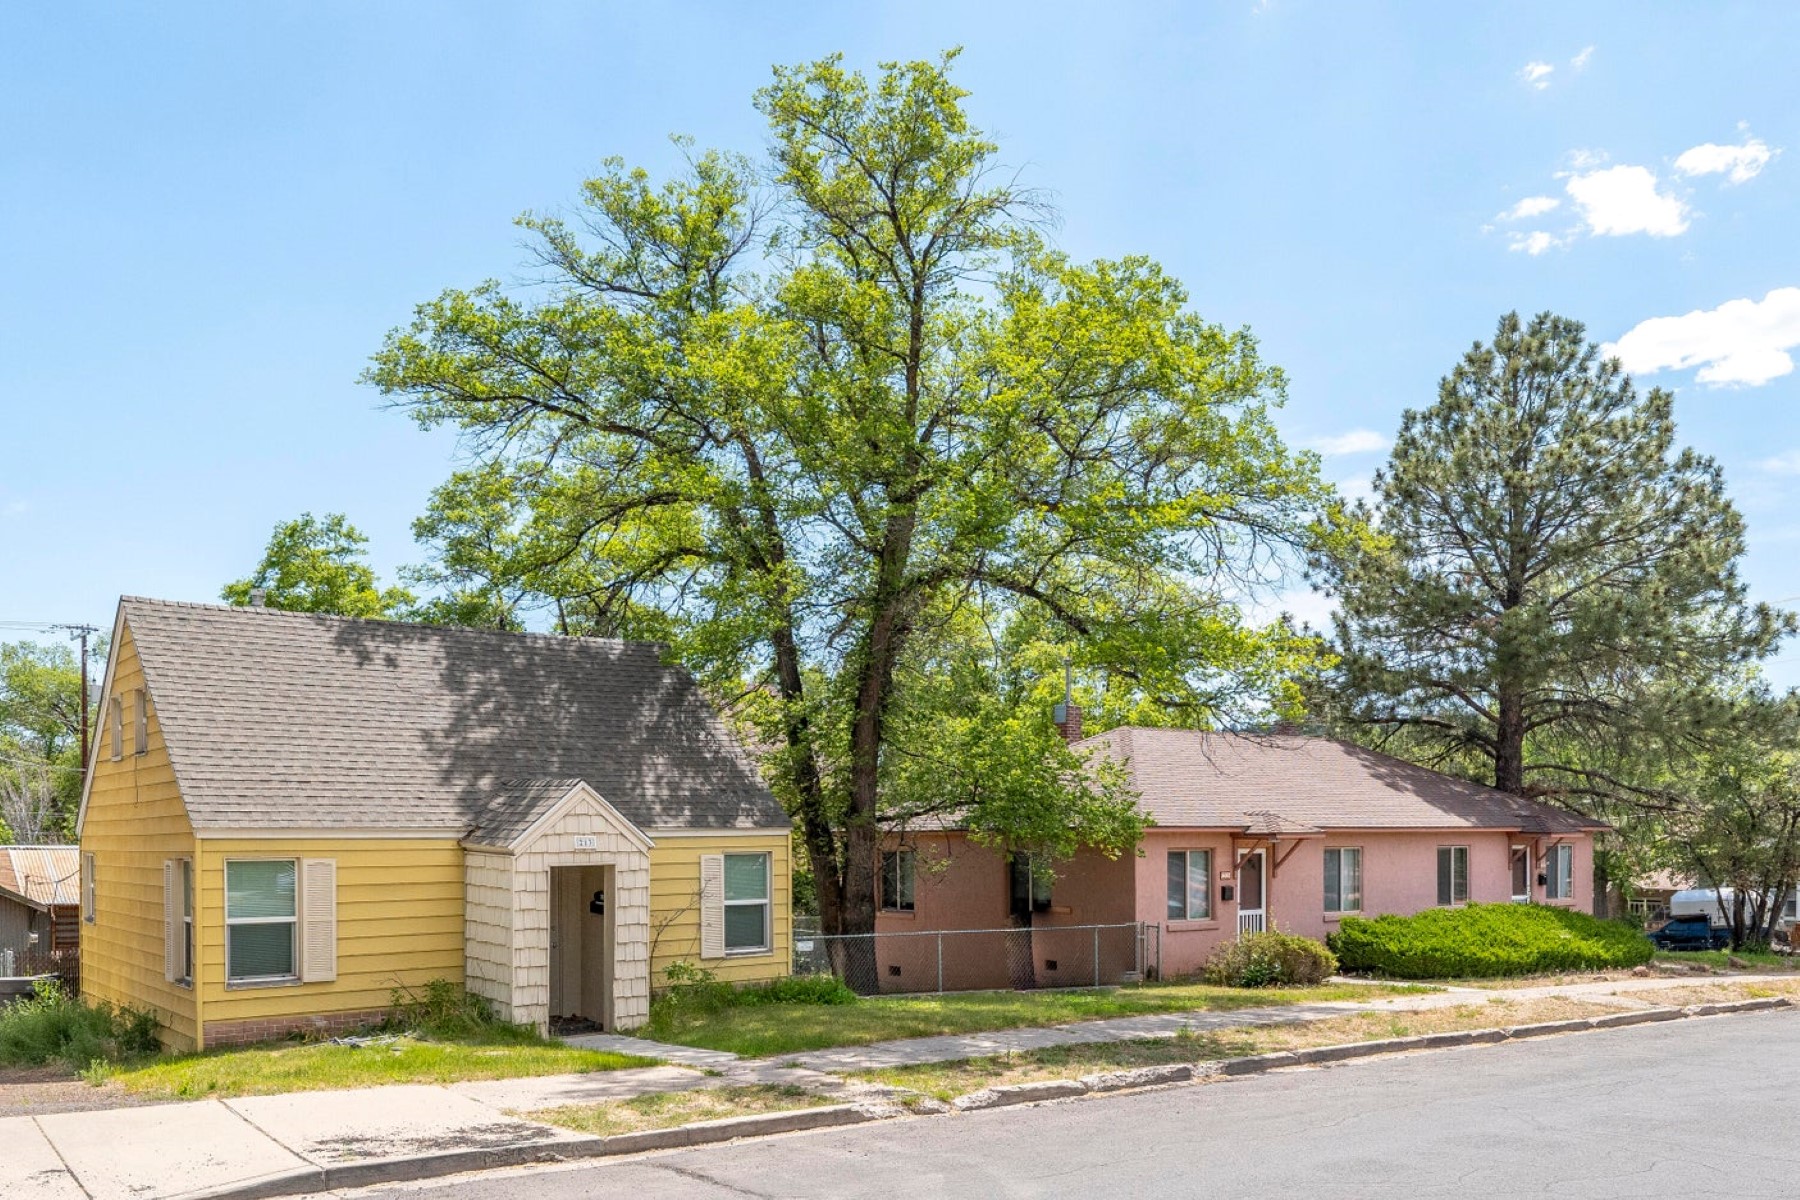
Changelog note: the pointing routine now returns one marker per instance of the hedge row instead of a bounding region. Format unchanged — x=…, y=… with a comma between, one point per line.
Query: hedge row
x=1484, y=940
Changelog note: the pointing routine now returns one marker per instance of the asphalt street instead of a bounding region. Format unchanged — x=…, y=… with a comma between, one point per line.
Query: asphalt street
x=1699, y=1108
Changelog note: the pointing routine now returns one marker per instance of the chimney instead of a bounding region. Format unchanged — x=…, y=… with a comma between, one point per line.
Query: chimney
x=257, y=597
x=1067, y=715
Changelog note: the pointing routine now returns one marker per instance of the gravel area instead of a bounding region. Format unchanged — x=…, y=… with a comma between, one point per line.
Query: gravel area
x=34, y=1091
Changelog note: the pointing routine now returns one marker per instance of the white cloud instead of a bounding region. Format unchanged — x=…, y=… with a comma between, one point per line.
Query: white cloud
x=1536, y=75
x=1781, y=464
x=1622, y=200
x=1739, y=164
x=1581, y=60
x=1357, y=441
x=1533, y=243
x=15, y=508
x=1357, y=487
x=1740, y=342
x=1530, y=206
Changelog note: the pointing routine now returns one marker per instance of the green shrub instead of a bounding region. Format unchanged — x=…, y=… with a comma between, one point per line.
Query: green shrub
x=798, y=989
x=696, y=990
x=1270, y=959
x=1485, y=940
x=448, y=1011
x=53, y=1026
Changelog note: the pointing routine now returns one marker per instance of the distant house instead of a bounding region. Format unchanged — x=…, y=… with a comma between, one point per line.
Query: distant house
x=290, y=815
x=38, y=901
x=1248, y=832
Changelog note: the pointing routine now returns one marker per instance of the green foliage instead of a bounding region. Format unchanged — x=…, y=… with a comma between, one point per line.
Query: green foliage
x=1270, y=959
x=318, y=565
x=1554, y=588
x=449, y=1012
x=831, y=425
x=1486, y=940
x=694, y=991
x=40, y=741
x=52, y=1026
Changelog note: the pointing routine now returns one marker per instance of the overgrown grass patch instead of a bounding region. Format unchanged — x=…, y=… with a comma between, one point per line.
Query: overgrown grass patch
x=666, y=1110
x=948, y=1080
x=51, y=1026
x=769, y=1029
x=266, y=1070
x=1486, y=940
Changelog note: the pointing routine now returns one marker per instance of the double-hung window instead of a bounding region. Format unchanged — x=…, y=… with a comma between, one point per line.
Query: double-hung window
x=140, y=721
x=1343, y=879
x=87, y=887
x=747, y=904
x=1453, y=875
x=1559, y=867
x=115, y=728
x=261, y=924
x=897, y=880
x=1028, y=881
x=1190, y=885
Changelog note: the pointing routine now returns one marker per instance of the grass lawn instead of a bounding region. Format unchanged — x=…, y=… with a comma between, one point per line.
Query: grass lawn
x=298, y=1067
x=761, y=1030
x=1762, y=960
x=665, y=1110
x=946, y=1081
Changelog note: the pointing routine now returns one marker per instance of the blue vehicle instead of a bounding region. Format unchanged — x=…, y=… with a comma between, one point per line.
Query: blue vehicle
x=1692, y=931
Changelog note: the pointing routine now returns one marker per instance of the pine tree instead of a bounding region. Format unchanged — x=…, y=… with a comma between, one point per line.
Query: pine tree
x=1548, y=569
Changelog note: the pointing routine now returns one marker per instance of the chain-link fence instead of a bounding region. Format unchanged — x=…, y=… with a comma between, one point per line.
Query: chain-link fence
x=967, y=960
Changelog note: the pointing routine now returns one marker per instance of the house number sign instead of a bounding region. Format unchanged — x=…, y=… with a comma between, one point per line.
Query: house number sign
x=586, y=841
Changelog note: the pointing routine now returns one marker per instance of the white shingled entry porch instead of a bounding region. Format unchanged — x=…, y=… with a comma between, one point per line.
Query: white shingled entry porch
x=580, y=875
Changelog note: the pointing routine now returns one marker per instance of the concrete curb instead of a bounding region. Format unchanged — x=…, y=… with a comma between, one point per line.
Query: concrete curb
x=456, y=1162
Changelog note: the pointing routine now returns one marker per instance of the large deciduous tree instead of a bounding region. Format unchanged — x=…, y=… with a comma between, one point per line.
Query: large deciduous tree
x=806, y=420
x=319, y=565
x=1554, y=585
x=40, y=740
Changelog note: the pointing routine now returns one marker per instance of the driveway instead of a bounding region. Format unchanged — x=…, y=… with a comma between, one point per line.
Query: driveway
x=1690, y=1109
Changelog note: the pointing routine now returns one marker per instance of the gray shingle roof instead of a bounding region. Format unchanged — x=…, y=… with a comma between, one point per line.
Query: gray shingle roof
x=1287, y=783
x=294, y=720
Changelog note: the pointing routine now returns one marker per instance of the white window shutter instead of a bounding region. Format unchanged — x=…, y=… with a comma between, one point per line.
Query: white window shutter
x=318, y=920
x=712, y=906
x=171, y=921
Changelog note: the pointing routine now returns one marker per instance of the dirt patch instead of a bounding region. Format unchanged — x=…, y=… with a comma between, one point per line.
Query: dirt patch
x=34, y=1091
x=945, y=1081
x=1718, y=992
x=666, y=1110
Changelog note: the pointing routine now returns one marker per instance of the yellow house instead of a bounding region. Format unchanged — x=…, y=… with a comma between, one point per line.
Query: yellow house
x=291, y=815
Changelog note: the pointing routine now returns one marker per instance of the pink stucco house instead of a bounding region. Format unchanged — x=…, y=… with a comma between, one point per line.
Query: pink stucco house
x=1248, y=831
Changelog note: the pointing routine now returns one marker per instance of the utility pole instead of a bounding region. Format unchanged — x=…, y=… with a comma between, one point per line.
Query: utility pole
x=82, y=633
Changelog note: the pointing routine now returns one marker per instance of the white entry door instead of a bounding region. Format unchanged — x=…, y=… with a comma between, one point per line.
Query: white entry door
x=1521, y=874
x=1252, y=894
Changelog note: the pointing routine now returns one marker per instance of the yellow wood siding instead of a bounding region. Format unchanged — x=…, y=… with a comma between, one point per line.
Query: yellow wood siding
x=135, y=822
x=675, y=905
x=399, y=924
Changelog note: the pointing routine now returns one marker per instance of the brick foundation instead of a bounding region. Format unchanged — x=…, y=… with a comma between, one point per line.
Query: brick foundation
x=270, y=1029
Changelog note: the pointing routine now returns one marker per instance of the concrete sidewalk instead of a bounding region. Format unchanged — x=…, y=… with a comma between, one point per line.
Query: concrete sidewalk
x=278, y=1145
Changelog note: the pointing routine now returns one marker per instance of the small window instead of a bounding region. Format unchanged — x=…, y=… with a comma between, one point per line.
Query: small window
x=116, y=729
x=1343, y=879
x=87, y=888
x=1028, y=884
x=1559, y=866
x=897, y=880
x=140, y=721
x=1190, y=885
x=1453, y=875
x=747, y=904
x=260, y=919
x=186, y=965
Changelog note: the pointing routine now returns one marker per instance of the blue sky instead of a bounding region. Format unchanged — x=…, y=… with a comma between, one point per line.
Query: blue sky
x=210, y=215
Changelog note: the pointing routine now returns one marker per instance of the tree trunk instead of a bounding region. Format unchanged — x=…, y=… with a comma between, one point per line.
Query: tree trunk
x=1509, y=740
